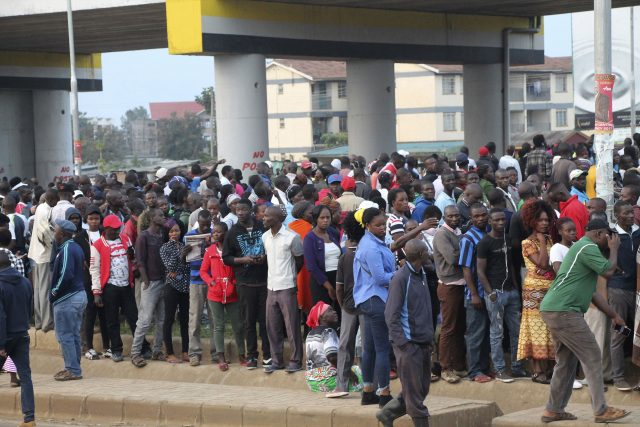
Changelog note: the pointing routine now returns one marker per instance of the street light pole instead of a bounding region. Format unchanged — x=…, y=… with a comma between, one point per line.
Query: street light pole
x=632, y=80
x=603, y=144
x=75, y=127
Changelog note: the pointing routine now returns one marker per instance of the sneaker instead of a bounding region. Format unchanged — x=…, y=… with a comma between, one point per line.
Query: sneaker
x=147, y=354
x=519, y=374
x=577, y=385
x=108, y=353
x=91, y=354
x=622, y=385
x=252, y=363
x=138, y=361
x=450, y=377
x=194, y=360
x=159, y=355
x=117, y=357
x=271, y=369
x=369, y=398
x=293, y=368
x=504, y=377
x=266, y=362
x=611, y=414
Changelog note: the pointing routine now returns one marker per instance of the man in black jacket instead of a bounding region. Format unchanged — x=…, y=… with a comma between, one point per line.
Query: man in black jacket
x=244, y=251
x=408, y=316
x=16, y=302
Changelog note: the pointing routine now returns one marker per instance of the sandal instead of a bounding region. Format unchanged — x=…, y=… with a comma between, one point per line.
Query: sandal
x=173, y=359
x=67, y=376
x=482, y=378
x=611, y=414
x=558, y=416
x=540, y=379
x=138, y=361
x=224, y=366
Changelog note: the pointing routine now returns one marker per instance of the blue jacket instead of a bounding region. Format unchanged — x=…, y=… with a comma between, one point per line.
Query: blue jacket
x=314, y=254
x=373, y=268
x=408, y=310
x=68, y=275
x=421, y=206
x=16, y=302
x=625, y=277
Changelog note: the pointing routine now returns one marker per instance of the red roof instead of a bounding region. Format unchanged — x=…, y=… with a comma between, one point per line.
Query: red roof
x=164, y=110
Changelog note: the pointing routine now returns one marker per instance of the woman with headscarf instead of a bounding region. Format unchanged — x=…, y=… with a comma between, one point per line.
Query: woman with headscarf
x=321, y=348
x=302, y=225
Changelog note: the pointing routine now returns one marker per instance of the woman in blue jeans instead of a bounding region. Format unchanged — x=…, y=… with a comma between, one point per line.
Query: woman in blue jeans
x=373, y=267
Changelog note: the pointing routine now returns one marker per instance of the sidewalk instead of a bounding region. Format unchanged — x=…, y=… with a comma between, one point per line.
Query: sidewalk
x=164, y=403
x=531, y=417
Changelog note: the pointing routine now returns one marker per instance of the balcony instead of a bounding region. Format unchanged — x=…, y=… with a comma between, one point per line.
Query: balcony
x=538, y=88
x=517, y=127
x=539, y=127
x=321, y=102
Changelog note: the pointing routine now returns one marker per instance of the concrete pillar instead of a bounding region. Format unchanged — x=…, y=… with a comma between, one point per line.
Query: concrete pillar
x=16, y=134
x=52, y=135
x=371, y=108
x=482, y=107
x=241, y=110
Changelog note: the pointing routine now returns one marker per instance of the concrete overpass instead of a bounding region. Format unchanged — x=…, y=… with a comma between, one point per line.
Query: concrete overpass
x=370, y=34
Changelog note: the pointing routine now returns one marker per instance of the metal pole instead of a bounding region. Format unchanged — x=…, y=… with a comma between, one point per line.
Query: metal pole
x=632, y=109
x=213, y=132
x=603, y=145
x=77, y=144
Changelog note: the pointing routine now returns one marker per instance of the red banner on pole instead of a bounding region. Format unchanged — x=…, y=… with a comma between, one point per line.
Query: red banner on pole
x=604, y=103
x=77, y=151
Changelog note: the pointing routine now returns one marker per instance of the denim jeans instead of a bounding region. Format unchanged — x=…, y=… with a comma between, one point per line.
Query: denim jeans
x=67, y=316
x=477, y=339
x=375, y=355
x=151, y=312
x=18, y=350
x=506, y=309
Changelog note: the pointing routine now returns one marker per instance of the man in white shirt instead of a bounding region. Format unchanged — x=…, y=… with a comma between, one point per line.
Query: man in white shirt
x=508, y=161
x=283, y=248
x=40, y=256
x=59, y=211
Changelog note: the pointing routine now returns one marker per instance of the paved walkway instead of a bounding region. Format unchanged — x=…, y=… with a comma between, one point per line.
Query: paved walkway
x=144, y=402
x=531, y=417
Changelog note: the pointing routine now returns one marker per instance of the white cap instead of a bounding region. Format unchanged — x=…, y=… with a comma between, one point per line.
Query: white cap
x=576, y=173
x=268, y=162
x=403, y=153
x=18, y=185
x=336, y=163
x=77, y=193
x=161, y=173
x=366, y=204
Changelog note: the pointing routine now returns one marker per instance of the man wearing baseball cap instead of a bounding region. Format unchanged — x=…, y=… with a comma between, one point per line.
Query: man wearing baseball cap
x=578, y=180
x=348, y=200
x=563, y=308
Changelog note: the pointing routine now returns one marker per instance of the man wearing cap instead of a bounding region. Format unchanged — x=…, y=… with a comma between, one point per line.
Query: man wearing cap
x=40, y=256
x=349, y=201
x=484, y=158
x=563, y=308
x=68, y=299
x=462, y=162
x=308, y=169
x=578, y=179
x=112, y=281
x=334, y=182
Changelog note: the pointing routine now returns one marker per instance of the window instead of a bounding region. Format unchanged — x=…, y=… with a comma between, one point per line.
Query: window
x=449, y=124
x=343, y=124
x=448, y=85
x=561, y=118
x=342, y=89
x=280, y=89
x=462, y=121
x=281, y=123
x=561, y=83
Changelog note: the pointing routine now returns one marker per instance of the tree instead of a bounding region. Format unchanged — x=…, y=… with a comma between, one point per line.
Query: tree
x=130, y=116
x=204, y=99
x=100, y=143
x=181, y=138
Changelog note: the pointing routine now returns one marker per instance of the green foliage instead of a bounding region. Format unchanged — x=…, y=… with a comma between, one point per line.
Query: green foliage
x=180, y=138
x=100, y=144
x=334, y=139
x=204, y=99
x=134, y=114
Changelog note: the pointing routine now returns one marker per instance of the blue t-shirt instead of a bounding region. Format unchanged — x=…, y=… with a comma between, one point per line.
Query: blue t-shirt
x=195, y=278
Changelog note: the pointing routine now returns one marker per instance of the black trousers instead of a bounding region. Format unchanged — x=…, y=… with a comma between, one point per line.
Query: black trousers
x=254, y=305
x=414, y=371
x=115, y=300
x=174, y=300
x=91, y=312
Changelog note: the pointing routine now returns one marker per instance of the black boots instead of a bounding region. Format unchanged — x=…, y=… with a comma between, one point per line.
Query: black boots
x=369, y=398
x=391, y=411
x=420, y=422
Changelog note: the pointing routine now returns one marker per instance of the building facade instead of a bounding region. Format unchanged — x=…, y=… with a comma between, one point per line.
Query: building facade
x=307, y=103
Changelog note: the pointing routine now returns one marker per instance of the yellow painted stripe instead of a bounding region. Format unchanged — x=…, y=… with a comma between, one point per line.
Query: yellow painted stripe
x=184, y=26
x=361, y=17
x=37, y=59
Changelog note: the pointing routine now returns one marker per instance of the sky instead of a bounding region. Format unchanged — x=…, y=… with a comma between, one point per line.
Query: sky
x=132, y=79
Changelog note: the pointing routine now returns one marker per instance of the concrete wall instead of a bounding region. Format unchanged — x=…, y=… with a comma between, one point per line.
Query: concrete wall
x=293, y=141
x=52, y=134
x=16, y=134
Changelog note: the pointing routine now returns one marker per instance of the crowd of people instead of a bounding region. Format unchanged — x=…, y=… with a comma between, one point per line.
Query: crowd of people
x=356, y=264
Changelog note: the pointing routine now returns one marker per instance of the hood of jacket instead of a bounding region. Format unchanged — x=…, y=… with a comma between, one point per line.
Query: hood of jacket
x=10, y=275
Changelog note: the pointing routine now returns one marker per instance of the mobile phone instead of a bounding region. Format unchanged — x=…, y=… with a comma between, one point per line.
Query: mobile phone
x=623, y=330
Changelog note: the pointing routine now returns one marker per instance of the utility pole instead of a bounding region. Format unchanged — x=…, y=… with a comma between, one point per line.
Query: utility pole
x=632, y=80
x=75, y=127
x=603, y=145
x=212, y=150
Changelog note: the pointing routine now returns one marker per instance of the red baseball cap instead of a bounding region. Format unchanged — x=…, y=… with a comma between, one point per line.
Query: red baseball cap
x=483, y=151
x=112, y=221
x=348, y=183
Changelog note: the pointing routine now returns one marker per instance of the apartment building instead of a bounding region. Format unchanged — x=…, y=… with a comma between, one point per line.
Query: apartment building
x=308, y=99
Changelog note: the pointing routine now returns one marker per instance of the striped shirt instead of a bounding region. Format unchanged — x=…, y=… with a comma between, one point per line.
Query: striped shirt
x=468, y=257
x=194, y=276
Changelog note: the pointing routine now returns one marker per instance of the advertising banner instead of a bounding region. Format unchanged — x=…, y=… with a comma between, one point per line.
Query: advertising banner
x=603, y=104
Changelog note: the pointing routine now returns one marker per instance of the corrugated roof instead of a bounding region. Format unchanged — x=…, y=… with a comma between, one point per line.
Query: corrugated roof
x=337, y=70
x=412, y=147
x=164, y=110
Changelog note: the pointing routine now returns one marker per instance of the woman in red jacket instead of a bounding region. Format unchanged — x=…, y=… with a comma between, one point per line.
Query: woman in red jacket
x=222, y=296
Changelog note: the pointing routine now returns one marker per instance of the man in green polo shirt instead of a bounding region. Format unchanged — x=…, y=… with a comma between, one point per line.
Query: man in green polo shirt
x=563, y=308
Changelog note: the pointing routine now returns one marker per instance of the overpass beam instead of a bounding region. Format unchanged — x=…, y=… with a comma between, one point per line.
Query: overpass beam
x=52, y=135
x=371, y=110
x=482, y=106
x=241, y=110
